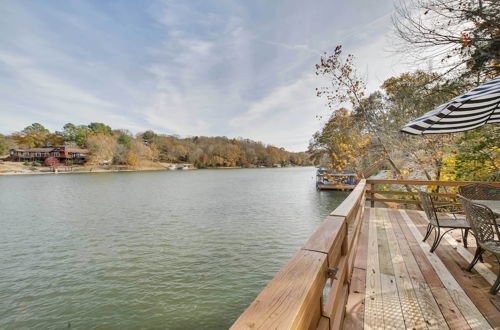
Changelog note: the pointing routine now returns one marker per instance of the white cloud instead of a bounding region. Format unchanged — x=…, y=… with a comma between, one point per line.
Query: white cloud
x=236, y=69
x=287, y=116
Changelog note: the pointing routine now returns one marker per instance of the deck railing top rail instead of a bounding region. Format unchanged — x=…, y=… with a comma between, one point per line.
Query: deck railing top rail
x=293, y=299
x=375, y=195
x=428, y=182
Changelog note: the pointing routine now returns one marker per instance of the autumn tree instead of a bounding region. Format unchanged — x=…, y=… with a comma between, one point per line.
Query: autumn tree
x=461, y=36
x=101, y=148
x=344, y=87
x=36, y=135
x=340, y=139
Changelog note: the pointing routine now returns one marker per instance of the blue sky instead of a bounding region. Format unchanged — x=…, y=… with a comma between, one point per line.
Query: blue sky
x=233, y=68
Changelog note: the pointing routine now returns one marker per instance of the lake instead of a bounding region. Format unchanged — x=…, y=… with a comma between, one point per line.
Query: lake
x=149, y=250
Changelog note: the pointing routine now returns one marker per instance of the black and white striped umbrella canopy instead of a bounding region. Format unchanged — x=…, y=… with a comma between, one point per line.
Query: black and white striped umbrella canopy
x=473, y=109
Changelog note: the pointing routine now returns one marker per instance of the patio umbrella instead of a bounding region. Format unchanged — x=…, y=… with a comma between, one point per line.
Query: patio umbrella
x=473, y=109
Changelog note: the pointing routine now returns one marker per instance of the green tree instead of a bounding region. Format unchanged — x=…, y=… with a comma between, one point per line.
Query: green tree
x=6, y=143
x=148, y=136
x=476, y=156
x=100, y=128
x=125, y=140
x=405, y=98
x=76, y=134
x=36, y=127
x=34, y=135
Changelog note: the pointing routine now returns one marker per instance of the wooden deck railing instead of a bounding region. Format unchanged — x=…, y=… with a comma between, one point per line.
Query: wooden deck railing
x=374, y=194
x=321, y=268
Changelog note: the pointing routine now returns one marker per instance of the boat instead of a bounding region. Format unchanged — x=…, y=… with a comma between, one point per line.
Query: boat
x=326, y=179
x=172, y=167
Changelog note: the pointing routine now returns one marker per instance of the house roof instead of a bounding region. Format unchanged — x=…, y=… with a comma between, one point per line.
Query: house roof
x=79, y=150
x=68, y=149
x=35, y=150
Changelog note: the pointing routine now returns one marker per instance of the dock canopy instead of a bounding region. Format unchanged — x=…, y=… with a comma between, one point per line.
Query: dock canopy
x=470, y=110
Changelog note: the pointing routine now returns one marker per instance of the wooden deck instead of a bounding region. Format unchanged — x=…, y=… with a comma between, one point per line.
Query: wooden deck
x=368, y=268
x=397, y=283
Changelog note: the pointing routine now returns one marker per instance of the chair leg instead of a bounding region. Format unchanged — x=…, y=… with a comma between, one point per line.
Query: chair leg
x=437, y=239
x=465, y=233
x=429, y=230
x=496, y=286
x=477, y=256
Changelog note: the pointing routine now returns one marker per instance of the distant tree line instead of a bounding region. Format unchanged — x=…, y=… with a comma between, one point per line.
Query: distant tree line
x=121, y=147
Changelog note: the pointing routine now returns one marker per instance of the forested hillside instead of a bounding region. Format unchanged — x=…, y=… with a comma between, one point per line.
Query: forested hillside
x=121, y=147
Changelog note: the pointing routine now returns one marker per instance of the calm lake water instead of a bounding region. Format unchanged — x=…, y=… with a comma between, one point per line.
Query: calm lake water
x=150, y=250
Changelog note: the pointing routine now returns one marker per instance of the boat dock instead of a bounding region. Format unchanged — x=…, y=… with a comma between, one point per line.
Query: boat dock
x=366, y=267
x=327, y=180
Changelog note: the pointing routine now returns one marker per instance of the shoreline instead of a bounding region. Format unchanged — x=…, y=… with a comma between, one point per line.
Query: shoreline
x=16, y=168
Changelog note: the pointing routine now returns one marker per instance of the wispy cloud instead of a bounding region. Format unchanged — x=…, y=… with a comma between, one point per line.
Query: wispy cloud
x=188, y=68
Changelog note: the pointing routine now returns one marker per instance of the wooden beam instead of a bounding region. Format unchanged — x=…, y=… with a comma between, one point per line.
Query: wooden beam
x=328, y=238
x=292, y=299
x=428, y=183
x=406, y=201
x=347, y=207
x=410, y=193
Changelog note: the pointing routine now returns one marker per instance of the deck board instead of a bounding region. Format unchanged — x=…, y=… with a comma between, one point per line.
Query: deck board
x=415, y=298
x=374, y=308
x=472, y=284
x=406, y=286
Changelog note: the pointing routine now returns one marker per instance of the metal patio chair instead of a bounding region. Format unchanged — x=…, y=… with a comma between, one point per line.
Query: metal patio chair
x=438, y=222
x=485, y=228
